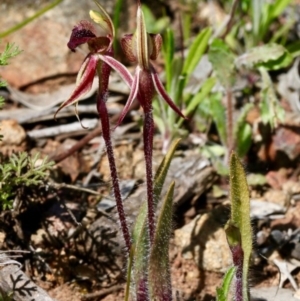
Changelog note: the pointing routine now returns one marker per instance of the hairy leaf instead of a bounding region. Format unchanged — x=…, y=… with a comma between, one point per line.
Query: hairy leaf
x=271, y=56
x=240, y=222
x=222, y=60
x=159, y=270
x=140, y=233
x=218, y=114
x=271, y=111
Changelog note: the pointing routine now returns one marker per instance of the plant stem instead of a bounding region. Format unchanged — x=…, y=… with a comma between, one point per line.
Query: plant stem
x=113, y=171
x=230, y=138
x=230, y=22
x=238, y=258
x=148, y=150
x=30, y=19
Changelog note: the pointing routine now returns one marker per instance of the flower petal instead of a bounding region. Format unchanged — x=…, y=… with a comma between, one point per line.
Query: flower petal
x=84, y=81
x=133, y=94
x=118, y=67
x=81, y=33
x=156, y=41
x=142, y=40
x=127, y=43
x=78, y=118
x=163, y=93
x=103, y=19
x=99, y=44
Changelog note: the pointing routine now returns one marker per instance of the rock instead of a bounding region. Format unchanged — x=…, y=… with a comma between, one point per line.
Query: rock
x=287, y=140
x=260, y=209
x=291, y=187
x=277, y=197
x=12, y=137
x=272, y=294
x=204, y=240
x=13, y=134
x=43, y=41
x=2, y=238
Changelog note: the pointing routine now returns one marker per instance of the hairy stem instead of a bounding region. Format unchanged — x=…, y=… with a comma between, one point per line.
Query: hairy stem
x=230, y=138
x=238, y=258
x=148, y=150
x=113, y=171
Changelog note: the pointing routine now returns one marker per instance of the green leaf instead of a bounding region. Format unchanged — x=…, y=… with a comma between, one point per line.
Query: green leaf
x=271, y=111
x=196, y=51
x=159, y=270
x=129, y=272
x=219, y=117
x=240, y=215
x=243, y=132
x=244, y=139
x=140, y=233
x=271, y=56
x=224, y=291
x=198, y=98
x=294, y=49
x=201, y=95
x=168, y=51
x=257, y=6
x=222, y=60
x=278, y=7
x=10, y=51
x=154, y=25
x=282, y=62
x=256, y=179
x=213, y=151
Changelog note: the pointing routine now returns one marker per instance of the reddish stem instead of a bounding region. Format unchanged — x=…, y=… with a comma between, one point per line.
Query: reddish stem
x=148, y=150
x=238, y=258
x=113, y=171
x=103, y=74
x=142, y=292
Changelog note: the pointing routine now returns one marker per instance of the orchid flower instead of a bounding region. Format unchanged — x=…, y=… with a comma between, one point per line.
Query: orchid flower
x=99, y=60
x=142, y=47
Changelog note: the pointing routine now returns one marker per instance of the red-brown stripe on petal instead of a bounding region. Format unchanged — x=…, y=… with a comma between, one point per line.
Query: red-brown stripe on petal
x=133, y=94
x=156, y=41
x=142, y=43
x=84, y=84
x=118, y=67
x=128, y=46
x=163, y=93
x=81, y=33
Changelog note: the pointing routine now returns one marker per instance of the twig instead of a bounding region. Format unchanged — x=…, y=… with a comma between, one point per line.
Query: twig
x=73, y=187
x=102, y=293
x=230, y=21
x=81, y=143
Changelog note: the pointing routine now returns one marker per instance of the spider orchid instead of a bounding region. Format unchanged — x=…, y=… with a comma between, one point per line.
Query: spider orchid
x=142, y=47
x=99, y=60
